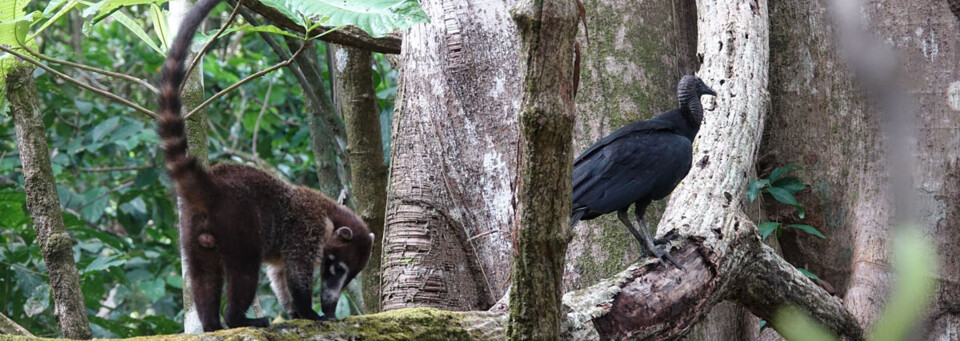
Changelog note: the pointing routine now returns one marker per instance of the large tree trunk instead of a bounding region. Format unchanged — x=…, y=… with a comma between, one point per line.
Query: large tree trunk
x=358, y=103
x=541, y=228
x=56, y=246
x=820, y=121
x=453, y=159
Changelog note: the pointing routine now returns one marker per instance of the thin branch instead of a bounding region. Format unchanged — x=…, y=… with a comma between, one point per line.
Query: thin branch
x=256, y=126
x=109, y=95
x=10, y=327
x=126, y=184
x=115, y=169
x=199, y=56
x=243, y=81
x=93, y=69
x=282, y=53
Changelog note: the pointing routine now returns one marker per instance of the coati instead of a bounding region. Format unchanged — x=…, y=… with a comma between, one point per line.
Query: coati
x=234, y=217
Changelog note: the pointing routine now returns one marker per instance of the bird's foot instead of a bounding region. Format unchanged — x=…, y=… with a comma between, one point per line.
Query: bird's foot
x=669, y=237
x=662, y=254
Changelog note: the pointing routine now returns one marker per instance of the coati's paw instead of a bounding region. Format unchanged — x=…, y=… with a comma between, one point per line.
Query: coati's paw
x=247, y=322
x=326, y=318
x=260, y=322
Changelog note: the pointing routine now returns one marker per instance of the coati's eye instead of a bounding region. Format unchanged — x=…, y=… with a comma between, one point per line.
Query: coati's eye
x=337, y=268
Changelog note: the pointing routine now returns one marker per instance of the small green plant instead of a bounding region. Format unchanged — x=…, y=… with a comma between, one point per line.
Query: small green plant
x=782, y=188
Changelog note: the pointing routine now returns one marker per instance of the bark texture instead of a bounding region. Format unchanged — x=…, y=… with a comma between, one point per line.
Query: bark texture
x=56, y=246
x=368, y=173
x=810, y=82
x=543, y=195
x=453, y=159
x=926, y=38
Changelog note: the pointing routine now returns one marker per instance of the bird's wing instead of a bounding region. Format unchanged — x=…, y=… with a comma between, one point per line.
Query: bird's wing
x=651, y=125
x=644, y=165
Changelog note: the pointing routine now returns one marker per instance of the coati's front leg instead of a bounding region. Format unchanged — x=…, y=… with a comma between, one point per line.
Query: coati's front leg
x=299, y=273
x=278, y=282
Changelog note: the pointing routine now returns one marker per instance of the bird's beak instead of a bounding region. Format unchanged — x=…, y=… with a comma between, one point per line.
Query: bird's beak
x=708, y=91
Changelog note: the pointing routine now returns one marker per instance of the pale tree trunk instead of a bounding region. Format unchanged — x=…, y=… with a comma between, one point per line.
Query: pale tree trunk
x=358, y=103
x=56, y=246
x=541, y=227
x=820, y=120
x=453, y=159
x=842, y=152
x=196, y=130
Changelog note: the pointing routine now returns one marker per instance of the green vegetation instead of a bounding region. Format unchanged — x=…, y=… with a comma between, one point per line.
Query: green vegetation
x=105, y=155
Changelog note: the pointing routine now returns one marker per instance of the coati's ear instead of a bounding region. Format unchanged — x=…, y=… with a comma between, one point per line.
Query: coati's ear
x=345, y=233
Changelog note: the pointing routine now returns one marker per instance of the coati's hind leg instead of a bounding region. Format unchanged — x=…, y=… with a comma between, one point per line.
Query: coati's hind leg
x=206, y=280
x=278, y=282
x=243, y=270
x=300, y=282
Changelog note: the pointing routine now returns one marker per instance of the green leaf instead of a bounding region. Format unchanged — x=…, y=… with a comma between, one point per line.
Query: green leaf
x=39, y=300
x=791, y=184
x=67, y=8
x=781, y=171
x=809, y=274
x=808, y=229
x=103, y=263
x=201, y=39
x=766, y=228
x=285, y=7
x=104, y=127
x=781, y=195
x=136, y=29
x=377, y=18
x=160, y=26
x=175, y=281
x=753, y=190
x=14, y=24
x=94, y=203
x=801, y=212
x=105, y=8
x=154, y=289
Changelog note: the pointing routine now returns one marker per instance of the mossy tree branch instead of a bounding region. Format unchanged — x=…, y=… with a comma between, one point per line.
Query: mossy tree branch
x=541, y=227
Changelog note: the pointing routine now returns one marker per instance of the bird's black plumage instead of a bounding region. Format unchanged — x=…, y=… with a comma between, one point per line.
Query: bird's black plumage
x=639, y=163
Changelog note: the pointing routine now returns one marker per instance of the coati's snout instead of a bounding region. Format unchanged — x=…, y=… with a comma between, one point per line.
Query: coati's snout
x=344, y=257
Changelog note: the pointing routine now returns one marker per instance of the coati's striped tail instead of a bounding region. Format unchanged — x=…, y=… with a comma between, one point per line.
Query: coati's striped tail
x=191, y=180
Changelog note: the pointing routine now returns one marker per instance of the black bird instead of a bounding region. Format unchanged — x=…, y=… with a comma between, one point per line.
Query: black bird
x=639, y=163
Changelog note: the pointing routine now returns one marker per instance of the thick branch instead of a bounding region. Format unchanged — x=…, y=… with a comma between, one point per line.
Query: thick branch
x=773, y=283
x=348, y=36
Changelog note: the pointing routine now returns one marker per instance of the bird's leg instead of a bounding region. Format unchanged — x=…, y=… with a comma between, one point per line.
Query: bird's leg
x=671, y=236
x=648, y=241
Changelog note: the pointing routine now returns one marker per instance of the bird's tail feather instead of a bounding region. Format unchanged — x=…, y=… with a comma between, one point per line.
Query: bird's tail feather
x=577, y=214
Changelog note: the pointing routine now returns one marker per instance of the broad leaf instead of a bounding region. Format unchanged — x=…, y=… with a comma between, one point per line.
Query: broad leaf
x=135, y=28
x=160, y=25
x=779, y=172
x=201, y=39
x=103, y=263
x=782, y=195
x=766, y=228
x=64, y=10
x=376, y=17
x=754, y=189
x=791, y=184
x=808, y=229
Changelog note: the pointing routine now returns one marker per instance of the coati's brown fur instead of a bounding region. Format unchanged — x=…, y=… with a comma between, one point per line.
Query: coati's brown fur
x=234, y=217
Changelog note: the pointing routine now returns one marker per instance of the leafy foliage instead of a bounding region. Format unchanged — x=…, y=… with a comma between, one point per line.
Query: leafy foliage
x=783, y=189
x=377, y=17
x=115, y=196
